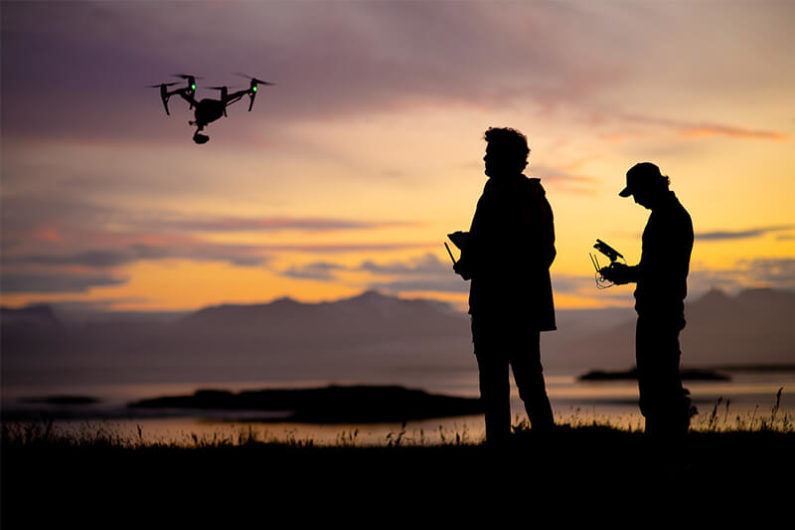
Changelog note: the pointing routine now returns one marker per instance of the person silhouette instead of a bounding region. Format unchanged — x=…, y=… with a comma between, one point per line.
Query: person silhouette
x=507, y=254
x=661, y=278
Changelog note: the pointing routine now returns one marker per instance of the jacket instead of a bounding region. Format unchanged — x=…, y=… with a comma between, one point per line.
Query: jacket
x=510, y=248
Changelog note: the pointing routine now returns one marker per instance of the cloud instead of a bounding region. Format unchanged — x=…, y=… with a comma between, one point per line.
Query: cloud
x=423, y=273
x=772, y=272
x=565, y=179
x=340, y=248
x=741, y=234
x=452, y=285
x=426, y=273
x=728, y=280
x=420, y=273
x=694, y=130
x=344, y=59
x=568, y=284
x=314, y=271
x=328, y=59
x=687, y=129
x=241, y=255
x=425, y=265
x=55, y=283
x=778, y=273
x=707, y=130
x=269, y=224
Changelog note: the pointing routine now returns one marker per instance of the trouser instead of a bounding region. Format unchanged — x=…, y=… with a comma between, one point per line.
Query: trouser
x=663, y=400
x=499, y=345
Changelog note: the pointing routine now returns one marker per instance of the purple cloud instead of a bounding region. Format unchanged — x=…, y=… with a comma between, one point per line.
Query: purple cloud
x=56, y=282
x=722, y=235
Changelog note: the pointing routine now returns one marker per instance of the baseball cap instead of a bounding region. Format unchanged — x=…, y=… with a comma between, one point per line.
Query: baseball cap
x=637, y=175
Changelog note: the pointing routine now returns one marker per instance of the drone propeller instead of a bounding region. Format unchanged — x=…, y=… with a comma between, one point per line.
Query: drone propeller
x=254, y=80
x=191, y=83
x=253, y=87
x=191, y=80
x=164, y=95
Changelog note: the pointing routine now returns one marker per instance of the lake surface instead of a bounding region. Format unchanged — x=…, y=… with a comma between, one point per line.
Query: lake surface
x=749, y=396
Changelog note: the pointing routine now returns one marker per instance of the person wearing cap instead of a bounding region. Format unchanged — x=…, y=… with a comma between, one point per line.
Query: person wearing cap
x=661, y=278
x=507, y=254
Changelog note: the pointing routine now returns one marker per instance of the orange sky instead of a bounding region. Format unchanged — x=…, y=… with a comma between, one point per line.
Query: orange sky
x=348, y=173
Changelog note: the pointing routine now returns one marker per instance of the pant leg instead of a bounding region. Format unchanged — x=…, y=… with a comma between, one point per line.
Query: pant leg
x=495, y=393
x=528, y=373
x=663, y=400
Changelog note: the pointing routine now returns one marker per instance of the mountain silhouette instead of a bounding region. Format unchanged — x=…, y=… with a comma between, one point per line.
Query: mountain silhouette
x=754, y=326
x=371, y=338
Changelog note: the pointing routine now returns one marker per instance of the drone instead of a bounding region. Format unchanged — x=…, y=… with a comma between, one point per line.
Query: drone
x=612, y=254
x=207, y=110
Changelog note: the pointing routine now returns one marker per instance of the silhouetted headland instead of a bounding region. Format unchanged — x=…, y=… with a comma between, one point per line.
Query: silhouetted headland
x=331, y=404
x=687, y=374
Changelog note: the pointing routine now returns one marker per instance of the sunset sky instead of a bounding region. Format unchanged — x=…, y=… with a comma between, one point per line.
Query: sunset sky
x=368, y=149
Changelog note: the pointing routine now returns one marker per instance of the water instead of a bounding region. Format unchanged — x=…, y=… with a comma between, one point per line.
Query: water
x=749, y=396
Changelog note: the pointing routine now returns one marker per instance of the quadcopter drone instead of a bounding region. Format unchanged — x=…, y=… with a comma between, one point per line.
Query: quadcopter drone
x=207, y=110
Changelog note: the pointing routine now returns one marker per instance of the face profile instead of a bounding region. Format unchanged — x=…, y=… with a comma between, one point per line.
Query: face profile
x=496, y=162
x=506, y=152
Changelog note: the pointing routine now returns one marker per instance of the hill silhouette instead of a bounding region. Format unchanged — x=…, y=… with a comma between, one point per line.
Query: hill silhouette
x=332, y=404
x=371, y=338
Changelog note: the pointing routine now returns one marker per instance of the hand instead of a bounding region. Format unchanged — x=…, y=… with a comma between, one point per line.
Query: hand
x=618, y=273
x=459, y=239
x=462, y=269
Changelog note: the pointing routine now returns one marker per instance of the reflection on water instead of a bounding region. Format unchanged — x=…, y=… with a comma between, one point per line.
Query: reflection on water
x=743, y=402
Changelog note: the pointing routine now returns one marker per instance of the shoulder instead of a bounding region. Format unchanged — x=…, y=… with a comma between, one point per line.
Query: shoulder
x=680, y=212
x=531, y=187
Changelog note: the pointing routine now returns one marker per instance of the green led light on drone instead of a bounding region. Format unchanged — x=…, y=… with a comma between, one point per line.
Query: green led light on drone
x=254, y=88
x=193, y=87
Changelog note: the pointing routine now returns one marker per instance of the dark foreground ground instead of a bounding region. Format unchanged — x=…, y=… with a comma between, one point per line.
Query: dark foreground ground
x=589, y=472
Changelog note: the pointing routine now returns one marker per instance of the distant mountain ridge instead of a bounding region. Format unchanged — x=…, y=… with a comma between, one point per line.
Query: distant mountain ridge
x=755, y=325
x=370, y=338
x=361, y=318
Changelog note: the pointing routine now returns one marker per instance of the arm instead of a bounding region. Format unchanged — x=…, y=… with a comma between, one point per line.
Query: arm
x=619, y=274
x=463, y=266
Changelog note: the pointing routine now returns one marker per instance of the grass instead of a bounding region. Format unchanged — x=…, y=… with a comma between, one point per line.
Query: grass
x=721, y=419
x=249, y=475
x=742, y=462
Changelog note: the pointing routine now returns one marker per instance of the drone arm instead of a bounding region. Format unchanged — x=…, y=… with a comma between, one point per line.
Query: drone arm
x=234, y=97
x=164, y=97
x=186, y=96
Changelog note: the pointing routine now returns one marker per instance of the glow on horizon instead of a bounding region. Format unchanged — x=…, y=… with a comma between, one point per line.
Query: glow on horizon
x=372, y=189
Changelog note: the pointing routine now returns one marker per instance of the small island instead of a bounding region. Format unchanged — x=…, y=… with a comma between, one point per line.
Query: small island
x=687, y=374
x=331, y=404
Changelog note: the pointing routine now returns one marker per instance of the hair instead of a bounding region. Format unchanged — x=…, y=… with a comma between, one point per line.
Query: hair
x=510, y=141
